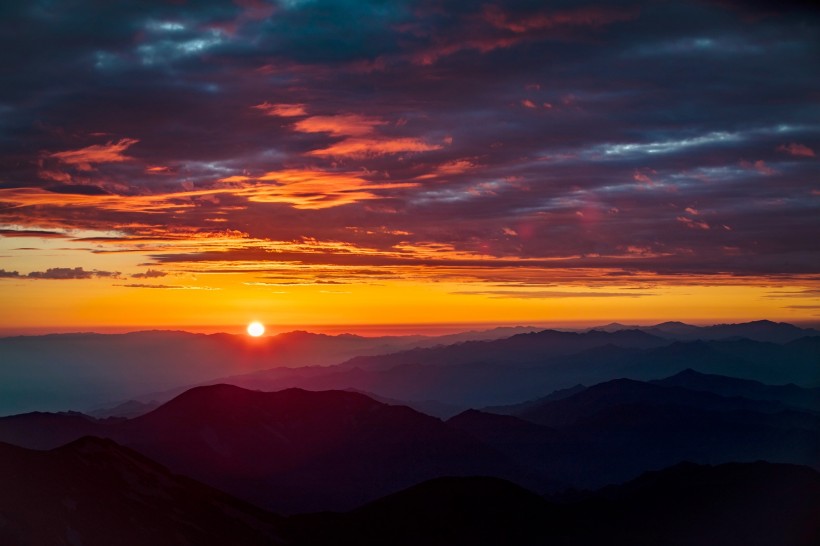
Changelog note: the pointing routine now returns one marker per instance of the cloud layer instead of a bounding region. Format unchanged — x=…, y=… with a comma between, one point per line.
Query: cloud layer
x=514, y=142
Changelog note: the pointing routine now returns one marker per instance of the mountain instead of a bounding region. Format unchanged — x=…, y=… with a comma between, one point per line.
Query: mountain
x=771, y=363
x=613, y=431
x=504, y=372
x=759, y=330
x=515, y=409
x=288, y=451
x=469, y=511
x=523, y=349
x=598, y=399
x=755, y=504
x=88, y=371
x=127, y=409
x=760, y=504
x=790, y=395
x=93, y=371
x=96, y=493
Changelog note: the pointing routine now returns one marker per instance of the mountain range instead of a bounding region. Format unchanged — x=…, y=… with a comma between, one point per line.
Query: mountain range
x=95, y=492
x=97, y=373
x=296, y=451
x=288, y=451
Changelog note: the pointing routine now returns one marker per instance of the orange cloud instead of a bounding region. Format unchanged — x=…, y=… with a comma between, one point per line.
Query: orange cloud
x=449, y=169
x=57, y=176
x=365, y=147
x=341, y=124
x=303, y=189
x=282, y=110
x=314, y=189
x=84, y=158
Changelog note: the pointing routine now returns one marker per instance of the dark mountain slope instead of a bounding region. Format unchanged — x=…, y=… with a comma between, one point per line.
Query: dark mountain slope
x=96, y=493
x=531, y=348
x=790, y=394
x=596, y=399
x=293, y=450
x=756, y=504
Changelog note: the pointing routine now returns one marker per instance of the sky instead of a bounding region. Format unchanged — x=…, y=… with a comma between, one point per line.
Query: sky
x=363, y=162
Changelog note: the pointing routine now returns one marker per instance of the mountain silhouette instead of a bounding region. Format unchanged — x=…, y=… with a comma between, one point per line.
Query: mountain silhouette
x=758, y=330
x=96, y=493
x=759, y=504
x=529, y=348
x=88, y=371
x=790, y=395
x=503, y=372
x=287, y=451
x=613, y=431
x=599, y=398
x=442, y=512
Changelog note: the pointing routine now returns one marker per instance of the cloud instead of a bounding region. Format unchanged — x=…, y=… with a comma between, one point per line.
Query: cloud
x=367, y=147
x=400, y=136
x=759, y=166
x=798, y=150
x=150, y=274
x=9, y=274
x=167, y=286
x=581, y=17
x=362, y=139
x=340, y=124
x=690, y=223
x=84, y=158
x=310, y=189
x=32, y=233
x=282, y=110
x=67, y=273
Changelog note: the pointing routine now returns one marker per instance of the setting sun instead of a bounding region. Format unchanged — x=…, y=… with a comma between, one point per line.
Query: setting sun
x=256, y=329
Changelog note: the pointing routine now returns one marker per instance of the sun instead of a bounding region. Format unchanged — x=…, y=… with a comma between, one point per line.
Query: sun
x=256, y=329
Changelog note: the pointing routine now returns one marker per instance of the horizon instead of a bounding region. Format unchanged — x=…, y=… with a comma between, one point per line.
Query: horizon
x=379, y=330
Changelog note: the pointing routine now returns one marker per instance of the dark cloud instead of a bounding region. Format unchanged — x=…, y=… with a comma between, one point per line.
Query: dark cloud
x=149, y=274
x=67, y=273
x=32, y=233
x=166, y=286
x=511, y=130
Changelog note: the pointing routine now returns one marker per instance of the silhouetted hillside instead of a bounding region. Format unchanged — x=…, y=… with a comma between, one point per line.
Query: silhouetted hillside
x=758, y=330
x=470, y=511
x=507, y=371
x=598, y=399
x=523, y=349
x=87, y=371
x=790, y=395
x=96, y=493
x=288, y=451
x=614, y=431
x=756, y=504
